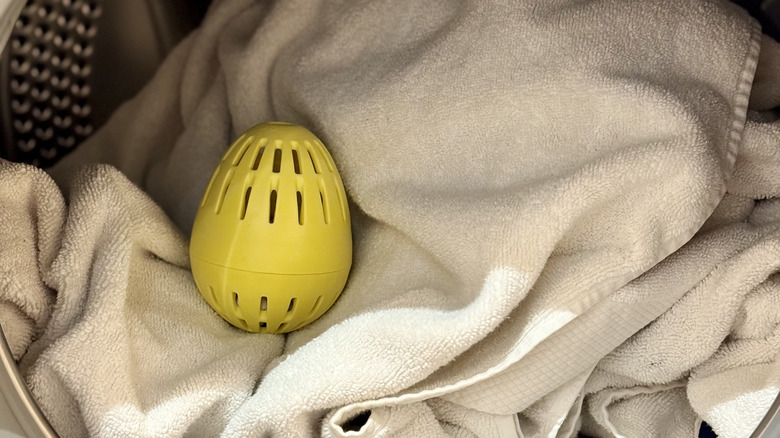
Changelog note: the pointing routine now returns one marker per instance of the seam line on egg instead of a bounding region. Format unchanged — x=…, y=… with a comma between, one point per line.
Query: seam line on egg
x=268, y=273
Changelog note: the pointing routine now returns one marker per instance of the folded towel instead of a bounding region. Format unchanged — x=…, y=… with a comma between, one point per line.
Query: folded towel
x=512, y=166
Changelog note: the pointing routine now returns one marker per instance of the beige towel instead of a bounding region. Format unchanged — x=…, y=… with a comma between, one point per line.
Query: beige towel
x=30, y=223
x=692, y=359
x=129, y=349
x=714, y=354
x=510, y=166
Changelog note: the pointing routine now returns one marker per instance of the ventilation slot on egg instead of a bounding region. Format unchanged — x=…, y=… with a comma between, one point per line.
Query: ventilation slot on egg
x=299, y=199
x=272, y=207
x=296, y=162
x=316, y=306
x=342, y=203
x=313, y=162
x=208, y=188
x=324, y=154
x=224, y=190
x=221, y=199
x=263, y=304
x=325, y=215
x=259, y=155
x=245, y=204
x=235, y=300
x=277, y=161
x=241, y=152
x=212, y=295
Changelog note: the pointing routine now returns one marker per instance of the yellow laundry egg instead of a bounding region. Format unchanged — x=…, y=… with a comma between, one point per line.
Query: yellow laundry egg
x=271, y=245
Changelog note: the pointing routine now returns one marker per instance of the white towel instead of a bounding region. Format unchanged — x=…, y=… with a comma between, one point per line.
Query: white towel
x=714, y=354
x=510, y=166
x=30, y=221
x=692, y=359
x=130, y=348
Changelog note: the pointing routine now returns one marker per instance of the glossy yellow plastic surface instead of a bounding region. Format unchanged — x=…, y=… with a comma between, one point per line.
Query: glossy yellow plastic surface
x=271, y=246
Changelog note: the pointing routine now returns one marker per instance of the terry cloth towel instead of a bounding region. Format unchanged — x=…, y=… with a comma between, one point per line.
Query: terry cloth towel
x=713, y=354
x=129, y=348
x=511, y=166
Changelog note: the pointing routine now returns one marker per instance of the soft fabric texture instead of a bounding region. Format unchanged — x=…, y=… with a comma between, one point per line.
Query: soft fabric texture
x=713, y=354
x=513, y=169
x=30, y=225
x=717, y=344
x=129, y=347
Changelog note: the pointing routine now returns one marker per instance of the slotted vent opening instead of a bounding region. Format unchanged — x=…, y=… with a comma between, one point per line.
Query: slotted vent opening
x=263, y=325
x=324, y=208
x=264, y=303
x=238, y=149
x=242, y=152
x=259, y=155
x=245, y=205
x=232, y=148
x=296, y=162
x=272, y=209
x=243, y=323
x=223, y=193
x=315, y=306
x=281, y=326
x=212, y=295
x=313, y=162
x=299, y=197
x=325, y=156
x=235, y=299
x=291, y=306
x=208, y=188
x=277, y=160
x=342, y=202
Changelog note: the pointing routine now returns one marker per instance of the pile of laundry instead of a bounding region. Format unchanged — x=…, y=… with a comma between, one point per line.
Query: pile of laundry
x=566, y=219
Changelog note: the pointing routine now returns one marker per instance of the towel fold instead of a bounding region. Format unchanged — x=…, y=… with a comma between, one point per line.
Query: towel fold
x=687, y=359
x=514, y=168
x=30, y=223
x=713, y=354
x=129, y=347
